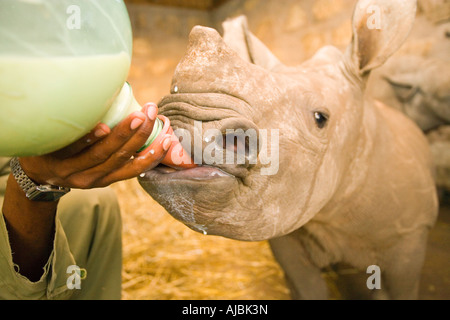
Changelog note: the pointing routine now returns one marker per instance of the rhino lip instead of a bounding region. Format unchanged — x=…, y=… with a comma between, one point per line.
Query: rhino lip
x=162, y=174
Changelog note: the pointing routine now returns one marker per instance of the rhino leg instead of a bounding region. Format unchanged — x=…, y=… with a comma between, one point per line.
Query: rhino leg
x=303, y=278
x=402, y=273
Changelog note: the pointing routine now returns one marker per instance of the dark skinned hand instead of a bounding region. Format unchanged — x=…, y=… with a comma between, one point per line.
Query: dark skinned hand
x=103, y=156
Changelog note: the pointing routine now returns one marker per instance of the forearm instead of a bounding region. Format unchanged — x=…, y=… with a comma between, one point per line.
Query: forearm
x=100, y=158
x=30, y=228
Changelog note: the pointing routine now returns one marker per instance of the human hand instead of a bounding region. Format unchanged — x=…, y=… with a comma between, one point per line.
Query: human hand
x=103, y=156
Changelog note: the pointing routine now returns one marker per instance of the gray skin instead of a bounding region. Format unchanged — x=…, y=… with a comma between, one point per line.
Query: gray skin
x=417, y=82
x=357, y=189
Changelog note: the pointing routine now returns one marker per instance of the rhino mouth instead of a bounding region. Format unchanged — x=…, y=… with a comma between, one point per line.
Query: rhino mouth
x=200, y=175
x=213, y=110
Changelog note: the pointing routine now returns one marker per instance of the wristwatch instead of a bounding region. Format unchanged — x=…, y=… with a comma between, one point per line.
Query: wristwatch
x=33, y=191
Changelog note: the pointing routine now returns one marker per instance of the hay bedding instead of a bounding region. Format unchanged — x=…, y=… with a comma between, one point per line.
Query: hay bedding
x=164, y=260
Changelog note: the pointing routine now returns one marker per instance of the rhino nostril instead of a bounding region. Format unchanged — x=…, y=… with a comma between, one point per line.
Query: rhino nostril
x=242, y=148
x=237, y=143
x=240, y=141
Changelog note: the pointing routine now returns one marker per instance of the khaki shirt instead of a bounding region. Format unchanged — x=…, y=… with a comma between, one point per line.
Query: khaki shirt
x=4, y=172
x=92, y=210
x=52, y=284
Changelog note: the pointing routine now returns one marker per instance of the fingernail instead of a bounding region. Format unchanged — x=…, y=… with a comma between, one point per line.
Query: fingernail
x=100, y=133
x=167, y=142
x=152, y=112
x=150, y=104
x=136, y=123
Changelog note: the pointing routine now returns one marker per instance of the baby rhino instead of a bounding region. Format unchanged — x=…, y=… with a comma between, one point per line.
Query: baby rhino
x=350, y=181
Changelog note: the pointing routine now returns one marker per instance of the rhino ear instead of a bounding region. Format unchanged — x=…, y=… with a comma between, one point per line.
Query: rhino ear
x=380, y=27
x=239, y=38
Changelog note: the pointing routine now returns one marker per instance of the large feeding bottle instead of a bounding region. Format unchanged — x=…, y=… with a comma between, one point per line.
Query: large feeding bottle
x=63, y=67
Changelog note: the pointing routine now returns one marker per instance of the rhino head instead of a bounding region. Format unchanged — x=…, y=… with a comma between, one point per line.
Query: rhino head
x=310, y=121
x=418, y=84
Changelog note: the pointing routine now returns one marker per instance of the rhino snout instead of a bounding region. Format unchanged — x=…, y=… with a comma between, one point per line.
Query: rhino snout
x=215, y=129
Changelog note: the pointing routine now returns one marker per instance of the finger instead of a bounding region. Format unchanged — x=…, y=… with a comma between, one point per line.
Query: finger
x=51, y=168
x=145, y=161
x=126, y=153
x=129, y=149
x=141, y=132
x=99, y=132
x=103, y=159
x=101, y=151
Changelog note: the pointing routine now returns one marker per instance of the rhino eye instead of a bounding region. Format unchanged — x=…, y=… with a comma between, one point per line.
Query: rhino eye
x=321, y=119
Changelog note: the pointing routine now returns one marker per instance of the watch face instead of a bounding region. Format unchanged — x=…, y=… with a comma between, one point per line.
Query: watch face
x=47, y=196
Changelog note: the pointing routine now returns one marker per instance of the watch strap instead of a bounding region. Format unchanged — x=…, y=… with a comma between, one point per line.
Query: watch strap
x=33, y=190
x=24, y=182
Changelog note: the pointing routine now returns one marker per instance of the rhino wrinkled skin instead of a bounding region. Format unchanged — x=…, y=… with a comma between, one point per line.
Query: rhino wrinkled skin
x=357, y=190
x=417, y=82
